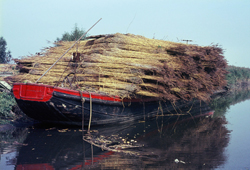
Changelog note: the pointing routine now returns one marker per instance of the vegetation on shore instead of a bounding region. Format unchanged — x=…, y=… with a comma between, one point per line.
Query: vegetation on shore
x=9, y=110
x=237, y=76
x=7, y=101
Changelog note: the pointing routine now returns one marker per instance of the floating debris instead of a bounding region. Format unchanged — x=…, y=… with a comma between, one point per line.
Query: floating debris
x=112, y=143
x=179, y=161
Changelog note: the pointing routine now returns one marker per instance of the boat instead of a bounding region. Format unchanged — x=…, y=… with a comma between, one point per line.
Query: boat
x=52, y=104
x=59, y=105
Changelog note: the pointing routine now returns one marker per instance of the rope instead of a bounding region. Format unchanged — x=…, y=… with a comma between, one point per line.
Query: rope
x=90, y=114
x=83, y=100
x=68, y=50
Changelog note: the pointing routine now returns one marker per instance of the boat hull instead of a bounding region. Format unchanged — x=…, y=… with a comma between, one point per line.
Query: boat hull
x=57, y=105
x=69, y=111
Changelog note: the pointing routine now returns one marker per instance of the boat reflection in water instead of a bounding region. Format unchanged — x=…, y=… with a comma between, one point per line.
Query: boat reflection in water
x=192, y=139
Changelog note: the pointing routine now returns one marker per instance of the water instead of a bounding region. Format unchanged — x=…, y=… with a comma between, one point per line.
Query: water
x=238, y=156
x=209, y=137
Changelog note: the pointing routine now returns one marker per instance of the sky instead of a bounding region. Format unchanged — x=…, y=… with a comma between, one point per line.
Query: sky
x=29, y=25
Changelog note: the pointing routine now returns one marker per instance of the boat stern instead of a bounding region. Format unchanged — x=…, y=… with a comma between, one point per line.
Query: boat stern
x=32, y=92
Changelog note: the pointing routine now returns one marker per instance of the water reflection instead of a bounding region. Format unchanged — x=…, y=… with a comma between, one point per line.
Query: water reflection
x=222, y=103
x=11, y=139
x=189, y=142
x=196, y=140
x=56, y=148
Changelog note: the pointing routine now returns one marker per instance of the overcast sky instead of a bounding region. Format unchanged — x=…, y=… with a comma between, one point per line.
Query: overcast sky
x=28, y=25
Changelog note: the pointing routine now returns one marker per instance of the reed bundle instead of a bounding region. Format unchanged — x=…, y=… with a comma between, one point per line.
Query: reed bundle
x=130, y=66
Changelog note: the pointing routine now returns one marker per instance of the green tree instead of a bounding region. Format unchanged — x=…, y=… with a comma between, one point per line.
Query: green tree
x=237, y=74
x=5, y=57
x=74, y=35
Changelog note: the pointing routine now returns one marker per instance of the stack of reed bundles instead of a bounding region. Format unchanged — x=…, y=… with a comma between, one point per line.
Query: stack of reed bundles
x=130, y=66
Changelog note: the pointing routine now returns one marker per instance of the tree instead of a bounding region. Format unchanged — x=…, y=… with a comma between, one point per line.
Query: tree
x=5, y=57
x=73, y=36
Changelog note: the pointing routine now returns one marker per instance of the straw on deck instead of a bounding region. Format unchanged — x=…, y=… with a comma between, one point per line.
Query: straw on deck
x=131, y=66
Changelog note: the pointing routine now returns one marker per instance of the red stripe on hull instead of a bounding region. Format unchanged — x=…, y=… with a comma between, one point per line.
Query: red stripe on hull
x=43, y=93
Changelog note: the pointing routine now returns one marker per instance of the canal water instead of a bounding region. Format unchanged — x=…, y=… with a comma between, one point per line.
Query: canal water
x=202, y=136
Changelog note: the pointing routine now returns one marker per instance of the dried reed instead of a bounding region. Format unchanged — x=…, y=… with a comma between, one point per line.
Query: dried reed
x=131, y=66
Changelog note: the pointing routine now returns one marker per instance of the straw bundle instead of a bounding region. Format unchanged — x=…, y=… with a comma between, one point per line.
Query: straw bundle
x=130, y=66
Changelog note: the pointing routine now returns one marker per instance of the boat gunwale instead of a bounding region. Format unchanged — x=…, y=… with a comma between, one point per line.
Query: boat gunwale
x=85, y=94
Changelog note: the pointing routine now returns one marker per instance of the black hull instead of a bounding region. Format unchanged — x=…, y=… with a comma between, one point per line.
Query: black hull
x=67, y=109
x=56, y=105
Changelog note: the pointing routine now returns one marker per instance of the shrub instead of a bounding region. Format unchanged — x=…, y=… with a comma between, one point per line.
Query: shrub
x=7, y=101
x=237, y=74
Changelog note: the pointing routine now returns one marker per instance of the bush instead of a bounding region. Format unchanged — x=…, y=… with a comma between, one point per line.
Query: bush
x=7, y=101
x=237, y=74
